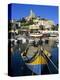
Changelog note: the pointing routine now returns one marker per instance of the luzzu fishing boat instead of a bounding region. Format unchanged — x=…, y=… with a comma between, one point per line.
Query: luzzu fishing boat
x=34, y=57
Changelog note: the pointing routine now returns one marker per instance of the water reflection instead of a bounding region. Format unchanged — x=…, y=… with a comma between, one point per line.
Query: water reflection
x=19, y=64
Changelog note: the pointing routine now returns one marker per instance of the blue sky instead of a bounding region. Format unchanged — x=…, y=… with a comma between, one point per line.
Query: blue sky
x=22, y=10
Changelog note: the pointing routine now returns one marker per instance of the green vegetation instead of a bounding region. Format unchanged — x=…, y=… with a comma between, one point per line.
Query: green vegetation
x=54, y=27
x=41, y=27
x=25, y=23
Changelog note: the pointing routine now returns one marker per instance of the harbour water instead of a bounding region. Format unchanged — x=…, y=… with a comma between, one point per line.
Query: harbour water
x=19, y=67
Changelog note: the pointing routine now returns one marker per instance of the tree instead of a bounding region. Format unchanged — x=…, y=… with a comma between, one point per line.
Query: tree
x=30, y=22
x=53, y=27
x=41, y=27
x=23, y=20
x=56, y=28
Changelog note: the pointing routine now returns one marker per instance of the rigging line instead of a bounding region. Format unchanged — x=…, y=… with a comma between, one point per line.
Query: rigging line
x=47, y=64
x=33, y=68
x=51, y=62
x=49, y=69
x=26, y=49
x=37, y=62
x=39, y=55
